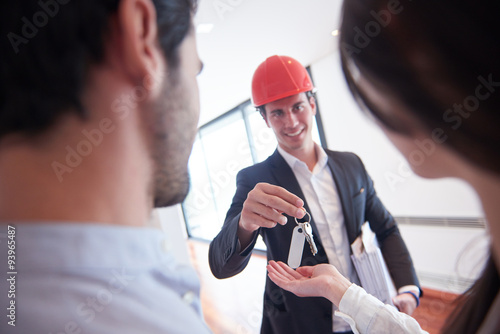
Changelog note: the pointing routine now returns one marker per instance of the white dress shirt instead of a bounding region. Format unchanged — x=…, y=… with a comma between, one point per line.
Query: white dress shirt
x=323, y=200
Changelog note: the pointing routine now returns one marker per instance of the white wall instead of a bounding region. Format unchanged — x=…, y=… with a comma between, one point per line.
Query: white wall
x=446, y=258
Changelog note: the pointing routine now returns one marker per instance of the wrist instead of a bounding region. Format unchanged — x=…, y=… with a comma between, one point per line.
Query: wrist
x=244, y=236
x=336, y=288
x=242, y=228
x=417, y=299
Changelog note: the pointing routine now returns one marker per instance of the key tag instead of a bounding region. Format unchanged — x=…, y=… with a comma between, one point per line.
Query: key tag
x=297, y=245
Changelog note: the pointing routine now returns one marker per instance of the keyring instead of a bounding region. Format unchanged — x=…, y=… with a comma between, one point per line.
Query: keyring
x=307, y=213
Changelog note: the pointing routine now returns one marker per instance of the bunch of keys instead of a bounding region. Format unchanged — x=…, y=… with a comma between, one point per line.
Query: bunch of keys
x=300, y=232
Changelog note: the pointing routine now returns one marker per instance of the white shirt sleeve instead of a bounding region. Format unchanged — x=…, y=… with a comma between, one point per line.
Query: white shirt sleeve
x=367, y=314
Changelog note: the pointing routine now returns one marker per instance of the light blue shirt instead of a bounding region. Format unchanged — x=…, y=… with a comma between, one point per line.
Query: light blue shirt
x=91, y=278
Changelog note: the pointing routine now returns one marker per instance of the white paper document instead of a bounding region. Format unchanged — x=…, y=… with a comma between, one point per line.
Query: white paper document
x=370, y=266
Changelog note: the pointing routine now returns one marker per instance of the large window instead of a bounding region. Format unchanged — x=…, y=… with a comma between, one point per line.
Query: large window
x=223, y=147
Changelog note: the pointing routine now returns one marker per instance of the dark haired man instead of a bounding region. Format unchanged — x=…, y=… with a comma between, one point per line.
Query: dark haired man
x=98, y=113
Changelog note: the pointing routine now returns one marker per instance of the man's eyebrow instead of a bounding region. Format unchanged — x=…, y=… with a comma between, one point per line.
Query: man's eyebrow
x=201, y=67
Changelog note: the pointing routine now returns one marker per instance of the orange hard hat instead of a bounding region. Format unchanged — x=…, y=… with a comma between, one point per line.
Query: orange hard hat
x=279, y=77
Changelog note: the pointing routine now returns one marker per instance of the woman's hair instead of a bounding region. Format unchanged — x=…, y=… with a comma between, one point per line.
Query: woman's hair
x=441, y=61
x=47, y=47
x=473, y=305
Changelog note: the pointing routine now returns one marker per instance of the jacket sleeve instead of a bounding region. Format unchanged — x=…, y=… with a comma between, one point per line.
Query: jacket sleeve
x=394, y=250
x=225, y=257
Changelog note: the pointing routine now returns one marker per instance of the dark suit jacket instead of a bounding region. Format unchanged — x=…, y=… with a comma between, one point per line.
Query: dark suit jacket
x=283, y=311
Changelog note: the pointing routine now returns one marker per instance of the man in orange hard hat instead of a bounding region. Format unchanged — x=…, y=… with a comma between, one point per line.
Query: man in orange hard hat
x=333, y=187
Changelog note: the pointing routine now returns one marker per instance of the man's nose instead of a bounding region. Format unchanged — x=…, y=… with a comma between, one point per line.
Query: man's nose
x=291, y=120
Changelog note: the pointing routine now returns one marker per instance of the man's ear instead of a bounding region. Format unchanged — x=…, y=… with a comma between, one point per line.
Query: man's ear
x=312, y=102
x=262, y=112
x=138, y=31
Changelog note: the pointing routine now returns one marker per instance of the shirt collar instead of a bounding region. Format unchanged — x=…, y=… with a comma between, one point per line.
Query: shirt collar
x=293, y=162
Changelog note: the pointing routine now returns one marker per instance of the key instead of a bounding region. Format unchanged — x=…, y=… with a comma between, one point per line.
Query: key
x=308, y=233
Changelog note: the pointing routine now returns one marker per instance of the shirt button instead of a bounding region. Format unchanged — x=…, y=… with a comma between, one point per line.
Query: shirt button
x=189, y=297
x=166, y=246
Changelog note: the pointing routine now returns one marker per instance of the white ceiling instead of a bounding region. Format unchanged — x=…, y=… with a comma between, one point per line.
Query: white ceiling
x=246, y=32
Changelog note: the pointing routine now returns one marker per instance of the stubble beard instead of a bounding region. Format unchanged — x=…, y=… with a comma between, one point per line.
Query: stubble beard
x=173, y=137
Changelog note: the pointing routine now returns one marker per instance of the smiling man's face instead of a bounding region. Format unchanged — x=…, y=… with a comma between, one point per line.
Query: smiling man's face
x=291, y=119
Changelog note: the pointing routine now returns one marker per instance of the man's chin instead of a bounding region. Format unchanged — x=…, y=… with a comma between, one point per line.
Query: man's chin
x=169, y=197
x=163, y=203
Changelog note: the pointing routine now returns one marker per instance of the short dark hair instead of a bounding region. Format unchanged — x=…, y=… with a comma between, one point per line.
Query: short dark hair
x=47, y=46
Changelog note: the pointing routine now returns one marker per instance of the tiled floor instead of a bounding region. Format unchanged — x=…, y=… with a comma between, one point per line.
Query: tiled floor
x=234, y=305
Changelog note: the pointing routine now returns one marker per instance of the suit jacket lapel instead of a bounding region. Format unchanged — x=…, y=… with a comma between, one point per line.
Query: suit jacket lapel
x=345, y=197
